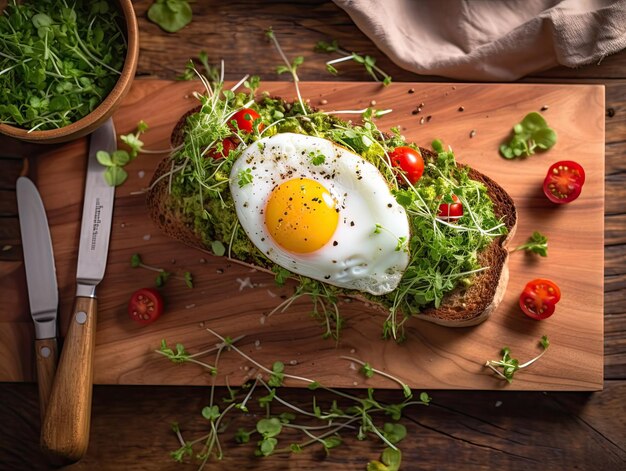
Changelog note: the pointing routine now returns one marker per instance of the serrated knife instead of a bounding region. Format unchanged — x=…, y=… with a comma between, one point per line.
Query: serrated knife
x=65, y=429
x=41, y=280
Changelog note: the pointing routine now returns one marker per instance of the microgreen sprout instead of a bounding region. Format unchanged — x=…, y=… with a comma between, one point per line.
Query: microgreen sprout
x=510, y=366
x=58, y=61
x=531, y=133
x=536, y=243
x=114, y=162
x=323, y=425
x=368, y=62
x=317, y=158
x=163, y=275
x=290, y=67
x=244, y=177
x=209, y=71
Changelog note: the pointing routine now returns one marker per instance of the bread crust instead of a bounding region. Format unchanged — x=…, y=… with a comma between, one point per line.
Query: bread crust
x=464, y=306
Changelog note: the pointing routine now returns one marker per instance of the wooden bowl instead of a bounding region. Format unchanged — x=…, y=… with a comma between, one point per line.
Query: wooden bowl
x=106, y=108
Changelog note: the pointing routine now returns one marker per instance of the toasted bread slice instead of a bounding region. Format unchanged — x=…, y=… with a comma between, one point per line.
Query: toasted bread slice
x=462, y=307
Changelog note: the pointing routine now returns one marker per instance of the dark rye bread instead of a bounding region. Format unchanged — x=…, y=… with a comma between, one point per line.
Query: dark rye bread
x=464, y=306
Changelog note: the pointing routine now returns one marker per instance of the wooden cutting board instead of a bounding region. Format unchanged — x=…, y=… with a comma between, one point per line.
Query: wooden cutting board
x=474, y=119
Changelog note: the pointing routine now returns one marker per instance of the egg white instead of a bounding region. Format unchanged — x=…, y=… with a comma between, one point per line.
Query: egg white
x=356, y=257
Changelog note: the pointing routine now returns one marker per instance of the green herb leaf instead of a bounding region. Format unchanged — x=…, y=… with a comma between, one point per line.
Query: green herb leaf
x=276, y=379
x=531, y=133
x=211, y=413
x=218, y=248
x=104, y=158
x=188, y=279
x=394, y=432
x=170, y=15
x=269, y=427
x=135, y=260
x=367, y=370
x=115, y=176
x=244, y=177
x=536, y=243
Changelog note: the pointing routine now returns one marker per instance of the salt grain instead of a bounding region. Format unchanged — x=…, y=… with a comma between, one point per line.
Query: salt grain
x=271, y=294
x=257, y=344
x=498, y=403
x=190, y=306
x=141, y=174
x=323, y=102
x=352, y=366
x=262, y=320
x=147, y=237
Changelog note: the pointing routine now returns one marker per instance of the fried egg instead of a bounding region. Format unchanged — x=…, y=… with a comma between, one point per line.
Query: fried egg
x=321, y=211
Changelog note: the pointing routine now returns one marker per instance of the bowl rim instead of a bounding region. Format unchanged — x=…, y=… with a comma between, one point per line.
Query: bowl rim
x=109, y=102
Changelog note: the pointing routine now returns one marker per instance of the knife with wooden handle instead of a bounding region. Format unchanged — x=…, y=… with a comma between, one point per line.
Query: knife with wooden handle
x=65, y=429
x=43, y=295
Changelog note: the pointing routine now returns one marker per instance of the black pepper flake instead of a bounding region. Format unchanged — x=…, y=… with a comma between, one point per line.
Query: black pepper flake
x=411, y=90
x=472, y=133
x=610, y=112
x=327, y=277
x=389, y=205
x=335, y=243
x=461, y=108
x=428, y=118
x=352, y=223
x=544, y=108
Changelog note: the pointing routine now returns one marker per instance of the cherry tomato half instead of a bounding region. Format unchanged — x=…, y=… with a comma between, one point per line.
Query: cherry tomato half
x=245, y=119
x=564, y=181
x=227, y=146
x=145, y=306
x=539, y=298
x=409, y=161
x=451, y=211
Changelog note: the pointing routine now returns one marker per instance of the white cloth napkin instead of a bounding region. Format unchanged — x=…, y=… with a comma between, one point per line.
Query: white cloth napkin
x=491, y=40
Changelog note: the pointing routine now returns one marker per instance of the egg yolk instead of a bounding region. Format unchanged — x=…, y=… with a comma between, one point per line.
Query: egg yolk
x=301, y=215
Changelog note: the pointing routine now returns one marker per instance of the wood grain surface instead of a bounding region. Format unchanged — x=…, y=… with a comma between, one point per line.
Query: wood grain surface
x=469, y=430
x=235, y=301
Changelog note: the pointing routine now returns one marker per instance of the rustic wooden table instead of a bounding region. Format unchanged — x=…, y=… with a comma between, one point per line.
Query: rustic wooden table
x=460, y=430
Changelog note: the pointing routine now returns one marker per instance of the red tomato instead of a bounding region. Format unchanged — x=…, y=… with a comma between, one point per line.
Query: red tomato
x=227, y=146
x=564, y=181
x=451, y=211
x=539, y=298
x=409, y=161
x=245, y=119
x=145, y=306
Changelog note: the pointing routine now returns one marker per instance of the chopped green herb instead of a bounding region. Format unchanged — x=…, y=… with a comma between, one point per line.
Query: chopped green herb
x=368, y=62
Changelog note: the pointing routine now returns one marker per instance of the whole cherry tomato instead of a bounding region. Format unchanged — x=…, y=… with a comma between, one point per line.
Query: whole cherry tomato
x=409, y=161
x=245, y=119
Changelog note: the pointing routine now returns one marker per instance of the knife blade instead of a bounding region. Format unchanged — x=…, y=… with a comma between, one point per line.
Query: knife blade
x=41, y=280
x=65, y=430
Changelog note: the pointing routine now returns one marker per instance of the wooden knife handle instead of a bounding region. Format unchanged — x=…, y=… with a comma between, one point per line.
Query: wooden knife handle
x=65, y=429
x=46, y=353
